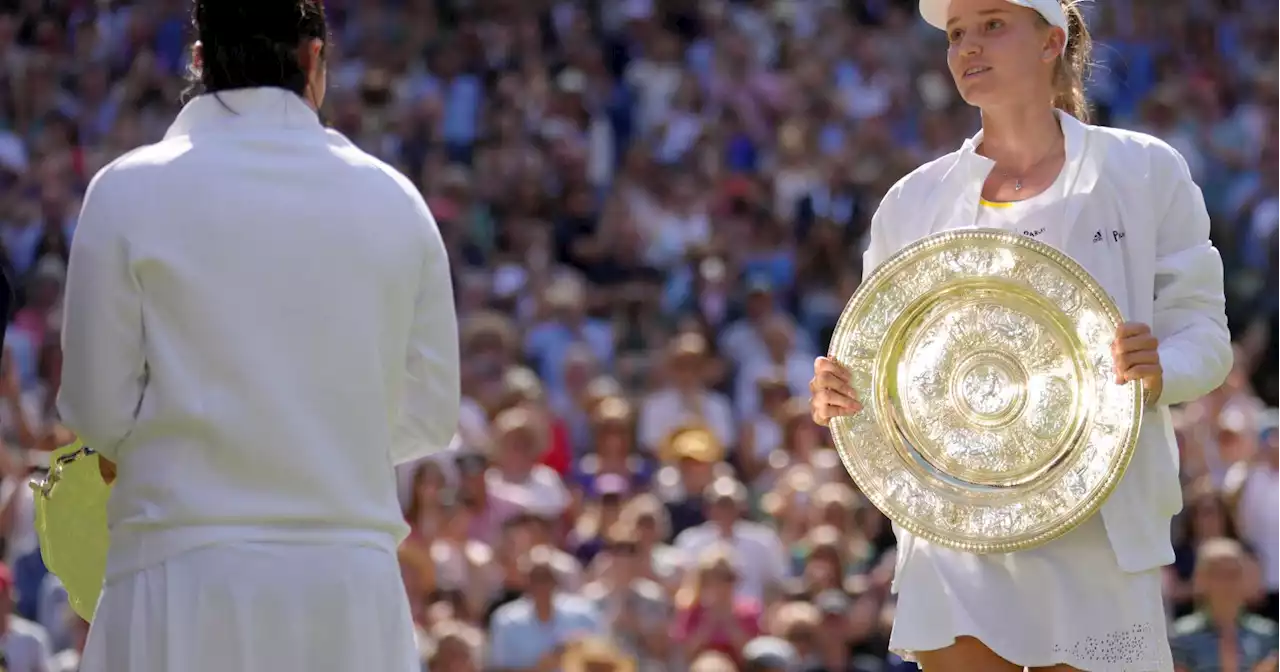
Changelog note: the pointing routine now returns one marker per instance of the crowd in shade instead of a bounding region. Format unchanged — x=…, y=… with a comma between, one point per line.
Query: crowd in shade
x=655, y=211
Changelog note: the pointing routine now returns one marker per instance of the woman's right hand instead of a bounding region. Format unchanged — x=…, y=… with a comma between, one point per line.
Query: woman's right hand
x=831, y=394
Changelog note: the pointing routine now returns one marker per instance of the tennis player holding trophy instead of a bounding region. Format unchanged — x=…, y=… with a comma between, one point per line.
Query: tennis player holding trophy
x=1124, y=207
x=259, y=326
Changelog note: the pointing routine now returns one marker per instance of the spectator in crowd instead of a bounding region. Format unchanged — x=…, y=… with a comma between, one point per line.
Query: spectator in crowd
x=1205, y=516
x=713, y=613
x=713, y=661
x=612, y=427
x=68, y=659
x=755, y=549
x=686, y=397
x=1220, y=635
x=597, y=655
x=534, y=630
x=1253, y=493
x=770, y=654
x=24, y=644
x=635, y=609
x=456, y=647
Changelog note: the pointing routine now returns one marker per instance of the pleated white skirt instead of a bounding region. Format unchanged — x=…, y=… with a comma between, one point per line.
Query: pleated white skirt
x=257, y=607
x=1065, y=602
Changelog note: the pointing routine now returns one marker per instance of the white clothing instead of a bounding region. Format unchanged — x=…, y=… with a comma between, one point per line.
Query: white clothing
x=1036, y=217
x=22, y=539
x=1135, y=220
x=1258, y=513
x=26, y=646
x=797, y=369
x=656, y=84
x=1064, y=602
x=257, y=607
x=762, y=561
x=543, y=492
x=1264, y=218
x=666, y=410
x=259, y=326
x=768, y=436
x=66, y=661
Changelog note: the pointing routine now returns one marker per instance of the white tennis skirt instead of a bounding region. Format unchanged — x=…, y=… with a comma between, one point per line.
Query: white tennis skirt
x=1067, y=602
x=257, y=607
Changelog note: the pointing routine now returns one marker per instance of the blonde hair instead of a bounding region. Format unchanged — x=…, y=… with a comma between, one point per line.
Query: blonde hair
x=791, y=618
x=469, y=637
x=647, y=506
x=718, y=558
x=1072, y=68
x=1214, y=551
x=712, y=661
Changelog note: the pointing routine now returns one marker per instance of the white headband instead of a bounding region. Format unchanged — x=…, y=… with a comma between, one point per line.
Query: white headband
x=935, y=12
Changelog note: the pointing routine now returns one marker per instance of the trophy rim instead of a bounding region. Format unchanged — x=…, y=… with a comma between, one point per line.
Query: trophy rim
x=846, y=329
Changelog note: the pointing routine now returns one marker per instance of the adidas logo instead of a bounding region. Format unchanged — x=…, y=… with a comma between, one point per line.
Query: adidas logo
x=1097, y=236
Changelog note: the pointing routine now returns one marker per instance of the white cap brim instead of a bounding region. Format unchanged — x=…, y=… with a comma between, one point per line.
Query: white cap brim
x=935, y=12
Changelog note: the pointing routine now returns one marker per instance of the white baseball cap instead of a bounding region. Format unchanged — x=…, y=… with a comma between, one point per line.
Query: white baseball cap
x=935, y=12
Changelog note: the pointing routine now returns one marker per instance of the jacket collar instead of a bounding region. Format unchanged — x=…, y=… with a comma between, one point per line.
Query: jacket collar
x=1073, y=130
x=971, y=170
x=260, y=107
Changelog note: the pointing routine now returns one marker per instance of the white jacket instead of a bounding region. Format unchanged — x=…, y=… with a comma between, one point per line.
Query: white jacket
x=259, y=325
x=1137, y=222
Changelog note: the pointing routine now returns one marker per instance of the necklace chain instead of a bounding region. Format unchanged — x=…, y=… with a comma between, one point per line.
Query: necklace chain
x=1017, y=180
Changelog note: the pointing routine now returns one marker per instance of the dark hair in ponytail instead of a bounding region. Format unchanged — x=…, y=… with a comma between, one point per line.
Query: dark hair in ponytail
x=252, y=43
x=1073, y=68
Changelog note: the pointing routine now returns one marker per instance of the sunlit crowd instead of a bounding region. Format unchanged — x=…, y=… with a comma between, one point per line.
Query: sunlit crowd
x=655, y=211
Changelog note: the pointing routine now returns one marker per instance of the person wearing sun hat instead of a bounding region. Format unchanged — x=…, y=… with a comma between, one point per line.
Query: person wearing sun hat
x=692, y=458
x=597, y=654
x=692, y=442
x=685, y=396
x=1054, y=12
x=1123, y=205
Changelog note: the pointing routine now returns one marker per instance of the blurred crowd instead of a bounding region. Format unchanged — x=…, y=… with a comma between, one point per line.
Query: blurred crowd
x=655, y=211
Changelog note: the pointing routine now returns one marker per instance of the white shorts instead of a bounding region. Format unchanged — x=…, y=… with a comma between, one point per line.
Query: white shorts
x=257, y=607
x=1065, y=602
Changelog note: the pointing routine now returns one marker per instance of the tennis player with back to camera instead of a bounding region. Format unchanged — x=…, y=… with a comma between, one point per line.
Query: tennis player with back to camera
x=259, y=326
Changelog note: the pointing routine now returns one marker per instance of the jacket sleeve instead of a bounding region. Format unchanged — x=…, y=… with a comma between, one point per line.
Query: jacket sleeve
x=879, y=245
x=104, y=368
x=1189, y=316
x=432, y=397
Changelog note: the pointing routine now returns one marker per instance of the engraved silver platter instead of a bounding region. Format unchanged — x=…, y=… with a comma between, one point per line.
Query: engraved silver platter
x=991, y=418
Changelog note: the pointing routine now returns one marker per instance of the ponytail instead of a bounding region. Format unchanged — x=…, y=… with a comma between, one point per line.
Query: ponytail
x=1073, y=67
x=254, y=43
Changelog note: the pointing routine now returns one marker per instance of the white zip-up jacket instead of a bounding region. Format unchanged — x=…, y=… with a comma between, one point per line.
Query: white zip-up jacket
x=259, y=326
x=1137, y=222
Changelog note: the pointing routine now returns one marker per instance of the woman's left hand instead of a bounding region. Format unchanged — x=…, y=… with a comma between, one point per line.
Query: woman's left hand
x=1137, y=357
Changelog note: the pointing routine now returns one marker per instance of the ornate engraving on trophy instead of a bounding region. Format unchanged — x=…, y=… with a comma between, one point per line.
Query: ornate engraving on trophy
x=991, y=418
